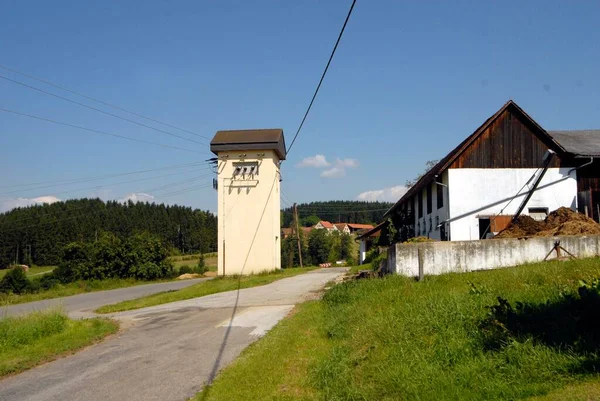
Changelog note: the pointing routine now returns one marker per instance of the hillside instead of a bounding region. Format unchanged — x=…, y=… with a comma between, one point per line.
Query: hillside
x=337, y=212
x=38, y=233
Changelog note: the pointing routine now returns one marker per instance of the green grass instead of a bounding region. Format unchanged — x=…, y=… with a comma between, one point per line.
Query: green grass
x=44, y=336
x=218, y=284
x=75, y=288
x=33, y=271
x=397, y=339
x=210, y=259
x=589, y=390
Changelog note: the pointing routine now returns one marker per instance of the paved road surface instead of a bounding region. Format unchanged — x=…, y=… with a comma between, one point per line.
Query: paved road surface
x=82, y=304
x=169, y=351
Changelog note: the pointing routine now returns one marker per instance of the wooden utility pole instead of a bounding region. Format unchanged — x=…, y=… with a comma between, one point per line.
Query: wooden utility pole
x=298, y=233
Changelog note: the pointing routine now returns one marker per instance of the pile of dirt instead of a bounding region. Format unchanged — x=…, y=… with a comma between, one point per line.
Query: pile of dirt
x=562, y=221
x=188, y=276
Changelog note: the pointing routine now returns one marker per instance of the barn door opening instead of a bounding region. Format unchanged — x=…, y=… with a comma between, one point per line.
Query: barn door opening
x=484, y=227
x=584, y=203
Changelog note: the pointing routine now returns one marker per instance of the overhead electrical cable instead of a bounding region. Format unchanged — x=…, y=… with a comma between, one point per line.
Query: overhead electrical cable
x=113, y=184
x=44, y=81
x=98, y=131
x=82, y=180
x=322, y=77
x=101, y=111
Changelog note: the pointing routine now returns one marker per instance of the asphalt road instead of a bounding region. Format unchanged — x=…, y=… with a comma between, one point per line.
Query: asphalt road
x=168, y=352
x=82, y=305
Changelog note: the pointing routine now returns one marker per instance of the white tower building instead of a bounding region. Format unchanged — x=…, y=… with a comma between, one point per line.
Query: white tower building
x=249, y=192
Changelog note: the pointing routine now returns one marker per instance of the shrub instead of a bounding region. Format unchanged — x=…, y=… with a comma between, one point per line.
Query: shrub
x=185, y=269
x=48, y=281
x=15, y=281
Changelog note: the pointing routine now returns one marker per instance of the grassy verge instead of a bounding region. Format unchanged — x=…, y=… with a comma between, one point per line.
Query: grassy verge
x=218, y=284
x=33, y=271
x=44, y=336
x=75, y=288
x=397, y=339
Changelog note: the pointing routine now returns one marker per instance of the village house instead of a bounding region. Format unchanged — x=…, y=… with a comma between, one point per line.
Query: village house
x=325, y=225
x=342, y=227
x=476, y=189
x=289, y=232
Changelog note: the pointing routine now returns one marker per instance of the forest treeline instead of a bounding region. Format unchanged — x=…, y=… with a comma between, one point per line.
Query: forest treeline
x=37, y=234
x=337, y=212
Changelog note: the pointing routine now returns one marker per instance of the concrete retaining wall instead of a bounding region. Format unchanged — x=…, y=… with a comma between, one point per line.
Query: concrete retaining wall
x=464, y=256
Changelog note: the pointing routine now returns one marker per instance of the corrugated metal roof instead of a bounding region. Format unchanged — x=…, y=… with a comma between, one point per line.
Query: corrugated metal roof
x=579, y=142
x=250, y=139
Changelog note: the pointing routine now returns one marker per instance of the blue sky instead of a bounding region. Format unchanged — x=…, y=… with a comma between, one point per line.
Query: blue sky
x=410, y=80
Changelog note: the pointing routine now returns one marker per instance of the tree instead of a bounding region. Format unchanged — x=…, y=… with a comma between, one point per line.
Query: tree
x=309, y=221
x=319, y=246
x=37, y=234
x=428, y=166
x=14, y=281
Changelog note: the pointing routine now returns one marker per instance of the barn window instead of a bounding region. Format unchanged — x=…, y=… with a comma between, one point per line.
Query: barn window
x=420, y=202
x=440, y=196
x=538, y=213
x=429, y=198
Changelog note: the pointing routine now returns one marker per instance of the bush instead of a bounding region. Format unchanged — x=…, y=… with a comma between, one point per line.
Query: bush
x=142, y=256
x=185, y=269
x=15, y=281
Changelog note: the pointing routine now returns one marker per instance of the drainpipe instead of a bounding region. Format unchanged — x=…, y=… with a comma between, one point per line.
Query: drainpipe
x=583, y=165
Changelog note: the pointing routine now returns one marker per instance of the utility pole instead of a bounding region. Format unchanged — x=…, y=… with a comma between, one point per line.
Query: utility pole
x=298, y=233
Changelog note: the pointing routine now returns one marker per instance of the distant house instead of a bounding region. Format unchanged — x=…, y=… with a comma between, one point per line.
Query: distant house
x=342, y=227
x=323, y=224
x=473, y=192
x=353, y=228
x=288, y=232
x=368, y=239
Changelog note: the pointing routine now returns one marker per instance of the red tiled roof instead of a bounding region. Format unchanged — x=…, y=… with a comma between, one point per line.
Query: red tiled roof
x=340, y=226
x=360, y=226
x=326, y=224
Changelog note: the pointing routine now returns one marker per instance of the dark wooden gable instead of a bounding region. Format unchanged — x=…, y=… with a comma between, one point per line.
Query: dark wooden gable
x=510, y=141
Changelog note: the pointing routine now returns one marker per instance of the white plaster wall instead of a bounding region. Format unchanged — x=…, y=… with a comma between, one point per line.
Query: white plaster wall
x=463, y=256
x=427, y=226
x=485, y=192
x=249, y=214
x=362, y=251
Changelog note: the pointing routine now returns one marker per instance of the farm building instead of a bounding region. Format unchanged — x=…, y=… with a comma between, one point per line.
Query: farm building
x=474, y=191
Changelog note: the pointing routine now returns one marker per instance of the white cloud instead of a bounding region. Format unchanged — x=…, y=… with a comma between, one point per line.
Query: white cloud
x=334, y=172
x=346, y=163
x=137, y=197
x=10, y=204
x=390, y=194
x=339, y=170
x=316, y=161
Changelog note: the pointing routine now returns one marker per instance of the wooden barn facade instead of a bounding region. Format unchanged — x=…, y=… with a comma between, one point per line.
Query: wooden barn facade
x=475, y=190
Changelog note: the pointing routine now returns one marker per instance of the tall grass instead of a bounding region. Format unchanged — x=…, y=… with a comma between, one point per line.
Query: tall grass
x=397, y=339
x=42, y=336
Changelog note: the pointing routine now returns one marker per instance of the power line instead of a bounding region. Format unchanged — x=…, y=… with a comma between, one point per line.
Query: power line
x=183, y=191
x=51, y=184
x=97, y=131
x=322, y=76
x=100, y=101
x=117, y=183
x=173, y=184
x=100, y=111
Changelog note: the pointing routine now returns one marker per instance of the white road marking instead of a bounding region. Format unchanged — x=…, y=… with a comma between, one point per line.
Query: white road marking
x=263, y=318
